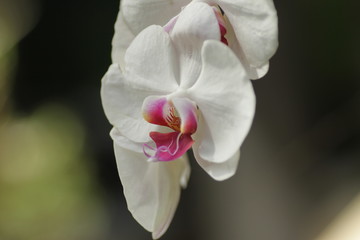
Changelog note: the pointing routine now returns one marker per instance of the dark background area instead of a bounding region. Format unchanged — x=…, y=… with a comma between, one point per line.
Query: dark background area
x=300, y=162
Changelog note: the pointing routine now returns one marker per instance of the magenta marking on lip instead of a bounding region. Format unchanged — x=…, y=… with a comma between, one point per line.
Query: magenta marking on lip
x=169, y=146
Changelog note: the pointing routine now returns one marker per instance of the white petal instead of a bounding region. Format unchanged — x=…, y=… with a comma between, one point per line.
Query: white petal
x=186, y=172
x=122, y=105
x=226, y=101
x=151, y=61
x=139, y=14
x=152, y=190
x=148, y=72
x=260, y=71
x=256, y=28
x=121, y=40
x=253, y=72
x=196, y=24
x=220, y=171
x=124, y=142
x=136, y=15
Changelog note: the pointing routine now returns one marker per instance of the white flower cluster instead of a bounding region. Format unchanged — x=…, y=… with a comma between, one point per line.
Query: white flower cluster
x=180, y=79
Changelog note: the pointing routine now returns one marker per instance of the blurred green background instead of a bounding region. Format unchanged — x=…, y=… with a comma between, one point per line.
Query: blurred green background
x=300, y=165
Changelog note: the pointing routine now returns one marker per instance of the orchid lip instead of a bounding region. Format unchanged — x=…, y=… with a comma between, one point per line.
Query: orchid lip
x=176, y=113
x=162, y=149
x=169, y=146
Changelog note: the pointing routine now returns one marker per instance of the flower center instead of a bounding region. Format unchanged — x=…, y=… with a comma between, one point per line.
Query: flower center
x=172, y=118
x=178, y=114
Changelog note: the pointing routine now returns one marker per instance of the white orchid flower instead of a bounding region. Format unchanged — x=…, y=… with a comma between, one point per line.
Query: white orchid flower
x=181, y=87
x=251, y=27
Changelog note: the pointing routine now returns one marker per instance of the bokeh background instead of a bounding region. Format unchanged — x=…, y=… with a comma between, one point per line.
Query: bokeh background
x=299, y=174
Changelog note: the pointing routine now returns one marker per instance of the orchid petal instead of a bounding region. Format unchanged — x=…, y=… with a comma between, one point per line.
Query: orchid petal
x=233, y=43
x=174, y=172
x=220, y=171
x=253, y=72
x=136, y=15
x=123, y=93
x=124, y=142
x=256, y=28
x=196, y=23
x=186, y=172
x=120, y=102
x=259, y=72
x=168, y=27
x=121, y=40
x=226, y=101
x=152, y=190
x=150, y=61
x=120, y=140
x=140, y=14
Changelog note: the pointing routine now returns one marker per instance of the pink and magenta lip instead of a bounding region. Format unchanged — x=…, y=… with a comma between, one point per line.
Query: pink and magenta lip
x=178, y=115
